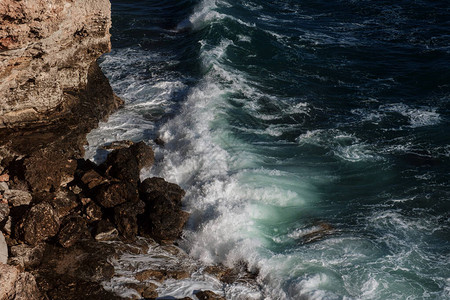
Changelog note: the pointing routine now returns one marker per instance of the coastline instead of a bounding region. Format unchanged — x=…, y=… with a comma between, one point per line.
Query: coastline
x=65, y=220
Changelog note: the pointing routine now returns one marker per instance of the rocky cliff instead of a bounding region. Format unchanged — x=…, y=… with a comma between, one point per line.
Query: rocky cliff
x=46, y=50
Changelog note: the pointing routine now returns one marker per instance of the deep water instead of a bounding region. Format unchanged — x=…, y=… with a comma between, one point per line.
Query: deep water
x=312, y=137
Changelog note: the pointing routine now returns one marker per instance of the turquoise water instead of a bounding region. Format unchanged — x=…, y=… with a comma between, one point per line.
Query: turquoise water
x=311, y=136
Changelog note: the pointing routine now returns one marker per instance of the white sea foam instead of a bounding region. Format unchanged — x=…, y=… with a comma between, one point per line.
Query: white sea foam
x=417, y=116
x=340, y=144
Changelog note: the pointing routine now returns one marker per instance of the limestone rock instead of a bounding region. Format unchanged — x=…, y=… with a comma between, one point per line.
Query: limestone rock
x=18, y=197
x=47, y=47
x=3, y=249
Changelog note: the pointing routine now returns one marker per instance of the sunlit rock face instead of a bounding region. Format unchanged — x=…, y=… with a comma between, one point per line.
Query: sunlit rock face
x=46, y=49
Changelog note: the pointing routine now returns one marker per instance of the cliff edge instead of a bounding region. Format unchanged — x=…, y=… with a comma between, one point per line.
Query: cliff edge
x=46, y=50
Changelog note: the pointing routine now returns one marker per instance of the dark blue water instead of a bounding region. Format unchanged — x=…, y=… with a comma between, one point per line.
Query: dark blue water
x=311, y=136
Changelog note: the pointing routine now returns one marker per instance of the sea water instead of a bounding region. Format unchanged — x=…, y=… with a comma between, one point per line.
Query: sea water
x=311, y=137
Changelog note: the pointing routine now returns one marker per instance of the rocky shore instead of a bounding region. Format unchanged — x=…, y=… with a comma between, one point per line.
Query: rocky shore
x=64, y=220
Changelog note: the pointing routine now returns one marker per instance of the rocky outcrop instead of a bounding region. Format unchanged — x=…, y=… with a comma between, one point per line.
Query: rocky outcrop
x=46, y=50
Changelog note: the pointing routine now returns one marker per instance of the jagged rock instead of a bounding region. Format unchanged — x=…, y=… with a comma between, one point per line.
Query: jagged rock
x=73, y=229
x=4, y=212
x=3, y=249
x=161, y=275
x=63, y=203
x=92, y=179
x=18, y=197
x=93, y=212
x=126, y=163
x=105, y=231
x=8, y=279
x=163, y=218
x=40, y=223
x=208, y=295
x=116, y=193
x=125, y=218
x=26, y=256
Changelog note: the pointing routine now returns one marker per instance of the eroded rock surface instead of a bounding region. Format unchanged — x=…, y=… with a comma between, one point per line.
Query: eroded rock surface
x=46, y=49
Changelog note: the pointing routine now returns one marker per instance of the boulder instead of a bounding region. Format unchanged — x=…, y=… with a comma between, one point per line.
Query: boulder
x=3, y=250
x=8, y=278
x=17, y=197
x=116, y=193
x=40, y=223
x=163, y=218
x=126, y=163
x=73, y=229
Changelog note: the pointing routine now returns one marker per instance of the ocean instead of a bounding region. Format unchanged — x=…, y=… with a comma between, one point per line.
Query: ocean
x=312, y=137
